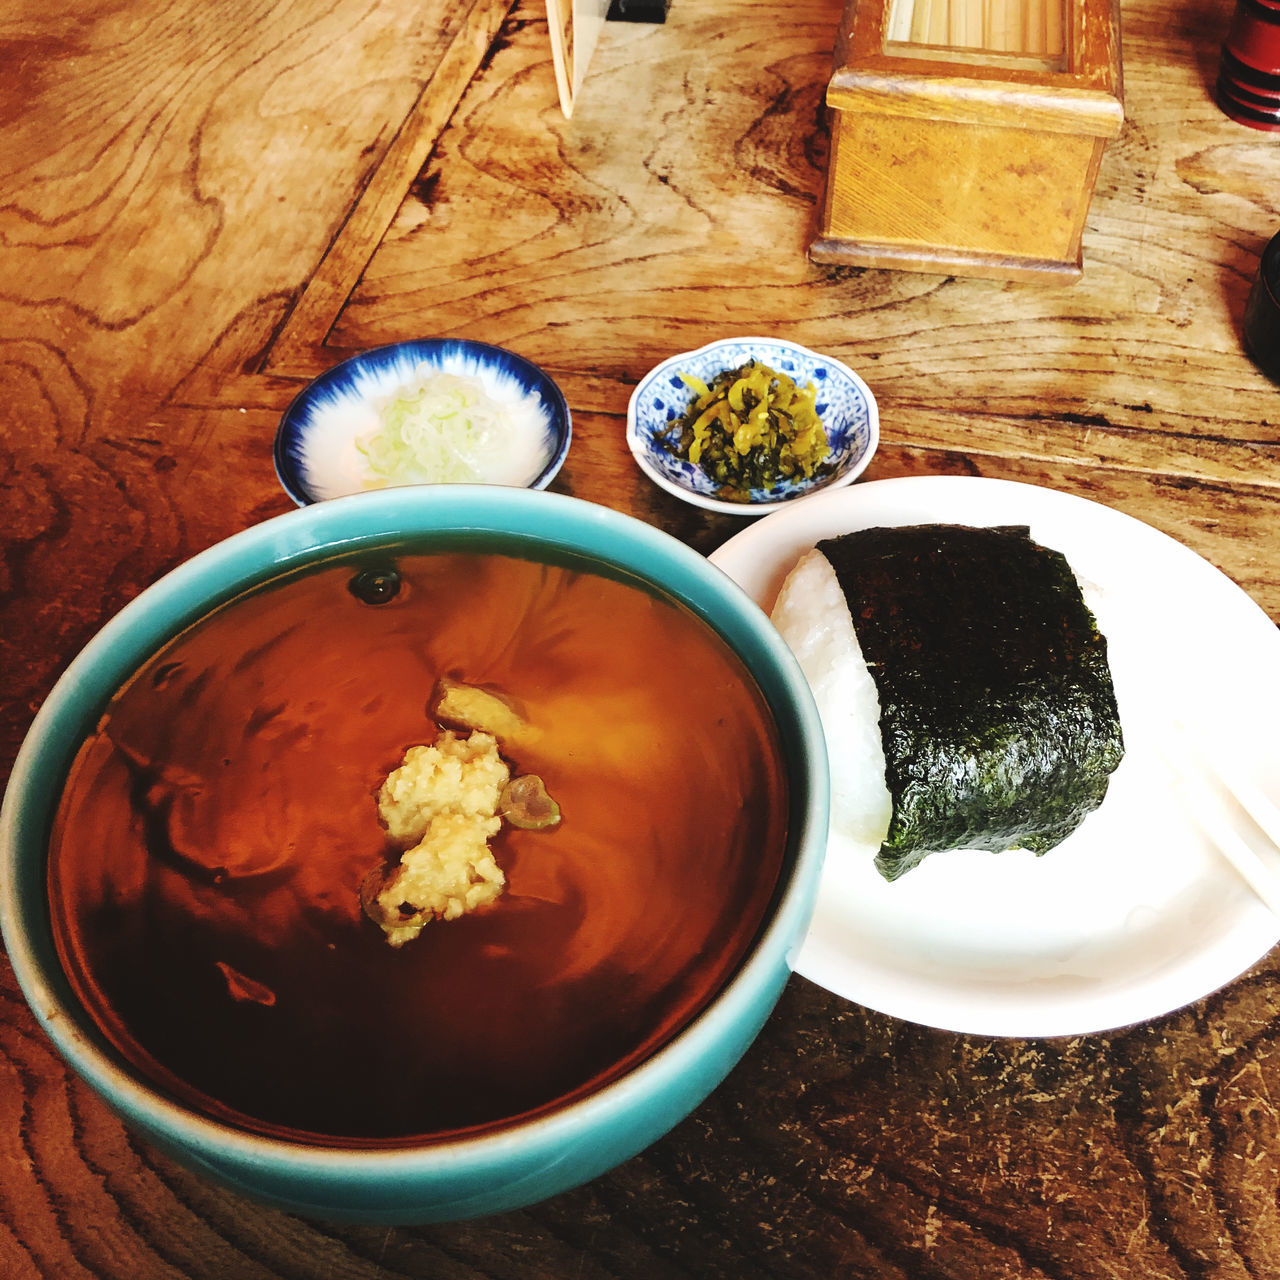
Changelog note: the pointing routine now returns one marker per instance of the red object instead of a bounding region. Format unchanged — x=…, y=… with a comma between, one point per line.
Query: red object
x=1248, y=88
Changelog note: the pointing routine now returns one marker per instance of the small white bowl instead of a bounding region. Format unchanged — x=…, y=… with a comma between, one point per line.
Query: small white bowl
x=844, y=403
x=316, y=452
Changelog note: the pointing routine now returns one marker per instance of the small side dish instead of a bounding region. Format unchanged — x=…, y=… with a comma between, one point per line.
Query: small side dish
x=433, y=411
x=747, y=424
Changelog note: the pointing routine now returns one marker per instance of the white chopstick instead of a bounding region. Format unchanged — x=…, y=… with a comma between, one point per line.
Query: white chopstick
x=1264, y=813
x=1192, y=766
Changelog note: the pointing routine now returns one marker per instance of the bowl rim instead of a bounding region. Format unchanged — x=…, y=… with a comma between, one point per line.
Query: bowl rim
x=290, y=540
x=288, y=426
x=855, y=468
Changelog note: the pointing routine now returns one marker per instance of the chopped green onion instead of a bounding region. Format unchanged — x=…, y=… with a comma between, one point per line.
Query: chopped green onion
x=439, y=429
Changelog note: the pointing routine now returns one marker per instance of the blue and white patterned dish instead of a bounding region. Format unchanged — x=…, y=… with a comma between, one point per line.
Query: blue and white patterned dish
x=844, y=403
x=315, y=448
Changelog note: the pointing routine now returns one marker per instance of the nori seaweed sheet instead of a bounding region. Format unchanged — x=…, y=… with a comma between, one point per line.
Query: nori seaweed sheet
x=997, y=711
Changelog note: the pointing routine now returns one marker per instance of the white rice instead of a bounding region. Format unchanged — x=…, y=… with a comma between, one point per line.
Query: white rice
x=813, y=617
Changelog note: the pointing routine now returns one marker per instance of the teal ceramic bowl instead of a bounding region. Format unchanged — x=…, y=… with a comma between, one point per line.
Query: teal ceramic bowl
x=471, y=1176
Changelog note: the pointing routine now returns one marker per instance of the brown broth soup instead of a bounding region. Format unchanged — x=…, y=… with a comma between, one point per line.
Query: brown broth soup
x=207, y=855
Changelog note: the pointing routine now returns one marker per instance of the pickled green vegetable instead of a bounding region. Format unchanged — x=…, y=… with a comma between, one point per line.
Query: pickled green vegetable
x=752, y=428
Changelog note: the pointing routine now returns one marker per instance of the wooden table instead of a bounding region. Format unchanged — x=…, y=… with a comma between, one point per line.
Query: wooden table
x=205, y=205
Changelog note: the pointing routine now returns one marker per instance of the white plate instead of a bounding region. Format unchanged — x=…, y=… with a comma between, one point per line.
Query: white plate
x=1135, y=914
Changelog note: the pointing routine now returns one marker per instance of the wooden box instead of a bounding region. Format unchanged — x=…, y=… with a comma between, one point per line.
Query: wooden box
x=966, y=135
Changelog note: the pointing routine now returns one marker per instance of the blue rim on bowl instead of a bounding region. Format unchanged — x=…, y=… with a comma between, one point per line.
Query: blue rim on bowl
x=316, y=454
x=844, y=402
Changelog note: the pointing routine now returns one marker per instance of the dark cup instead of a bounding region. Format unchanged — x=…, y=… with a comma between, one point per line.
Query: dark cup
x=1262, y=313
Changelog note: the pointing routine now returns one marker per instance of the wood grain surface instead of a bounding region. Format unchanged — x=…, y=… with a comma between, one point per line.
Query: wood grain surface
x=202, y=206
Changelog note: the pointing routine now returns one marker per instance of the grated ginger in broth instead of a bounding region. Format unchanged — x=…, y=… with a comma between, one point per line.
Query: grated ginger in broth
x=440, y=807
